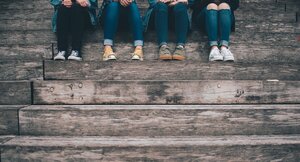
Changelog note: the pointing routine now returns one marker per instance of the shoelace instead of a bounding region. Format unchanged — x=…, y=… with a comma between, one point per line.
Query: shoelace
x=108, y=51
x=74, y=53
x=165, y=50
x=138, y=52
x=180, y=48
x=61, y=53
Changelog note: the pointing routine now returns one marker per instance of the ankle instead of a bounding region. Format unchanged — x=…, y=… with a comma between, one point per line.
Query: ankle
x=107, y=47
x=214, y=47
x=224, y=47
x=138, y=48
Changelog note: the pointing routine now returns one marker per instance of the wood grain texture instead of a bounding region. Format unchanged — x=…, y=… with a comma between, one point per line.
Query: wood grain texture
x=4, y=139
x=166, y=92
x=9, y=119
x=26, y=52
x=21, y=70
x=159, y=120
x=232, y=148
x=42, y=37
x=15, y=93
x=159, y=70
x=243, y=53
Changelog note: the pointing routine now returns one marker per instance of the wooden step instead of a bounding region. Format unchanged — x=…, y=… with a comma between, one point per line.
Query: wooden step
x=253, y=38
x=166, y=92
x=9, y=119
x=256, y=5
x=244, y=53
x=15, y=92
x=227, y=148
x=159, y=120
x=21, y=70
x=242, y=14
x=160, y=70
x=26, y=52
x=241, y=26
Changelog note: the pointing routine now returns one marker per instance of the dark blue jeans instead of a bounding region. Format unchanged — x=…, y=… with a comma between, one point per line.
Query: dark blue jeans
x=165, y=15
x=217, y=25
x=112, y=12
x=71, y=21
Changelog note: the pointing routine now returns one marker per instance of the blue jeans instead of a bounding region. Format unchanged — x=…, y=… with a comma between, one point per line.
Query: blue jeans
x=178, y=15
x=217, y=25
x=112, y=12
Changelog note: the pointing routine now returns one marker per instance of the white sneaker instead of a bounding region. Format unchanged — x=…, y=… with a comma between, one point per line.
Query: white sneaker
x=75, y=56
x=60, y=55
x=215, y=55
x=228, y=56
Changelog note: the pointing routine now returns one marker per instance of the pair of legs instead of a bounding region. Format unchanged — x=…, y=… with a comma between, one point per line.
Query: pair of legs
x=217, y=21
x=71, y=21
x=177, y=17
x=112, y=13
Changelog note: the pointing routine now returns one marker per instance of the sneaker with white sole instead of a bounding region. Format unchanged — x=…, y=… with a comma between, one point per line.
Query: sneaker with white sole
x=228, y=56
x=75, y=56
x=60, y=55
x=215, y=55
x=109, y=54
x=137, y=54
x=179, y=53
x=165, y=53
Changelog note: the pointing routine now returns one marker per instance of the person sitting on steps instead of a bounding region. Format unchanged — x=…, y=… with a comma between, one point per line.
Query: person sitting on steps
x=110, y=13
x=72, y=16
x=173, y=13
x=216, y=18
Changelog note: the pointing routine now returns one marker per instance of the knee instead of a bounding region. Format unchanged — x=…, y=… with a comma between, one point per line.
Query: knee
x=133, y=6
x=161, y=6
x=179, y=7
x=223, y=6
x=212, y=6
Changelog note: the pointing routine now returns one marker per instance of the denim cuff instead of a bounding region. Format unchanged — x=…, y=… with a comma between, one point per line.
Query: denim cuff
x=138, y=43
x=213, y=43
x=163, y=43
x=108, y=42
x=224, y=43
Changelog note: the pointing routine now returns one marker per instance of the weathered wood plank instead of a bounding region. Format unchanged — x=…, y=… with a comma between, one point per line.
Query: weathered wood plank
x=166, y=92
x=233, y=148
x=9, y=119
x=26, y=52
x=15, y=93
x=21, y=70
x=253, y=26
x=4, y=139
x=143, y=120
x=158, y=70
x=41, y=37
x=256, y=6
x=242, y=14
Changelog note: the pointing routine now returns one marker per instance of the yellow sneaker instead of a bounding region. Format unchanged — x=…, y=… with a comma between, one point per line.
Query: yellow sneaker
x=137, y=54
x=109, y=54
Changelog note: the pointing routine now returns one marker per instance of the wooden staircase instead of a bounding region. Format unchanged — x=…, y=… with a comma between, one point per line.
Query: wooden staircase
x=151, y=111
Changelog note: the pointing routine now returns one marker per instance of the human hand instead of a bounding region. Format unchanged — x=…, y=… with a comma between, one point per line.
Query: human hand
x=67, y=3
x=125, y=3
x=82, y=3
x=178, y=1
x=165, y=1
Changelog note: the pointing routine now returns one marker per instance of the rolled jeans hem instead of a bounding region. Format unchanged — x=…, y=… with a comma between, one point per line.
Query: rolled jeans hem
x=213, y=43
x=138, y=43
x=108, y=42
x=163, y=43
x=224, y=43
